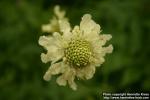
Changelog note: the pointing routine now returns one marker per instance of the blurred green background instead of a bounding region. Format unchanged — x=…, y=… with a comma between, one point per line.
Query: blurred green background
x=127, y=69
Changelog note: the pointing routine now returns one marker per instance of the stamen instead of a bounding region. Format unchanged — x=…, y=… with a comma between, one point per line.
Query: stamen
x=78, y=53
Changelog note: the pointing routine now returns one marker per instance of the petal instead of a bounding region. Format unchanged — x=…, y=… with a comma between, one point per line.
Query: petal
x=96, y=28
x=97, y=60
x=76, y=32
x=107, y=49
x=60, y=14
x=61, y=81
x=53, y=70
x=90, y=29
x=80, y=74
x=54, y=54
x=68, y=75
x=54, y=25
x=73, y=85
x=98, y=57
x=64, y=26
x=45, y=58
x=60, y=41
x=47, y=76
x=104, y=38
x=88, y=26
x=57, y=36
x=46, y=28
x=86, y=23
x=89, y=71
x=46, y=41
x=49, y=43
x=53, y=46
x=71, y=78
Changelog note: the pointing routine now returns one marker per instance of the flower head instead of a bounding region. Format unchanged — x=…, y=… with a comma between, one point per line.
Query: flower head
x=57, y=21
x=75, y=53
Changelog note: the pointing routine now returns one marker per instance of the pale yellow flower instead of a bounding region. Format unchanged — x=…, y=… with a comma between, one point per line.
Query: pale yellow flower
x=57, y=22
x=76, y=53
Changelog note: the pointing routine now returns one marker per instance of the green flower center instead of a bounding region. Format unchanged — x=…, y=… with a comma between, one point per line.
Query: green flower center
x=78, y=53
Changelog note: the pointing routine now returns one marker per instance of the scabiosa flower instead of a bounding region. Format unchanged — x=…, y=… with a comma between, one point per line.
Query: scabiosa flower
x=57, y=22
x=76, y=53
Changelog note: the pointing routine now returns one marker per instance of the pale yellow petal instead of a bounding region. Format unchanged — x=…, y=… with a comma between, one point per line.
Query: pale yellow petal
x=46, y=28
x=53, y=70
x=47, y=76
x=53, y=54
x=86, y=23
x=60, y=14
x=73, y=85
x=45, y=58
x=107, y=49
x=104, y=38
x=61, y=81
x=77, y=32
x=49, y=43
x=89, y=71
x=64, y=26
x=97, y=60
x=59, y=40
x=46, y=41
x=80, y=74
x=89, y=28
x=71, y=78
x=96, y=29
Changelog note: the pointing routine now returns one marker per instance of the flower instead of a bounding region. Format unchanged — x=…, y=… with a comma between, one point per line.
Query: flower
x=76, y=53
x=57, y=22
